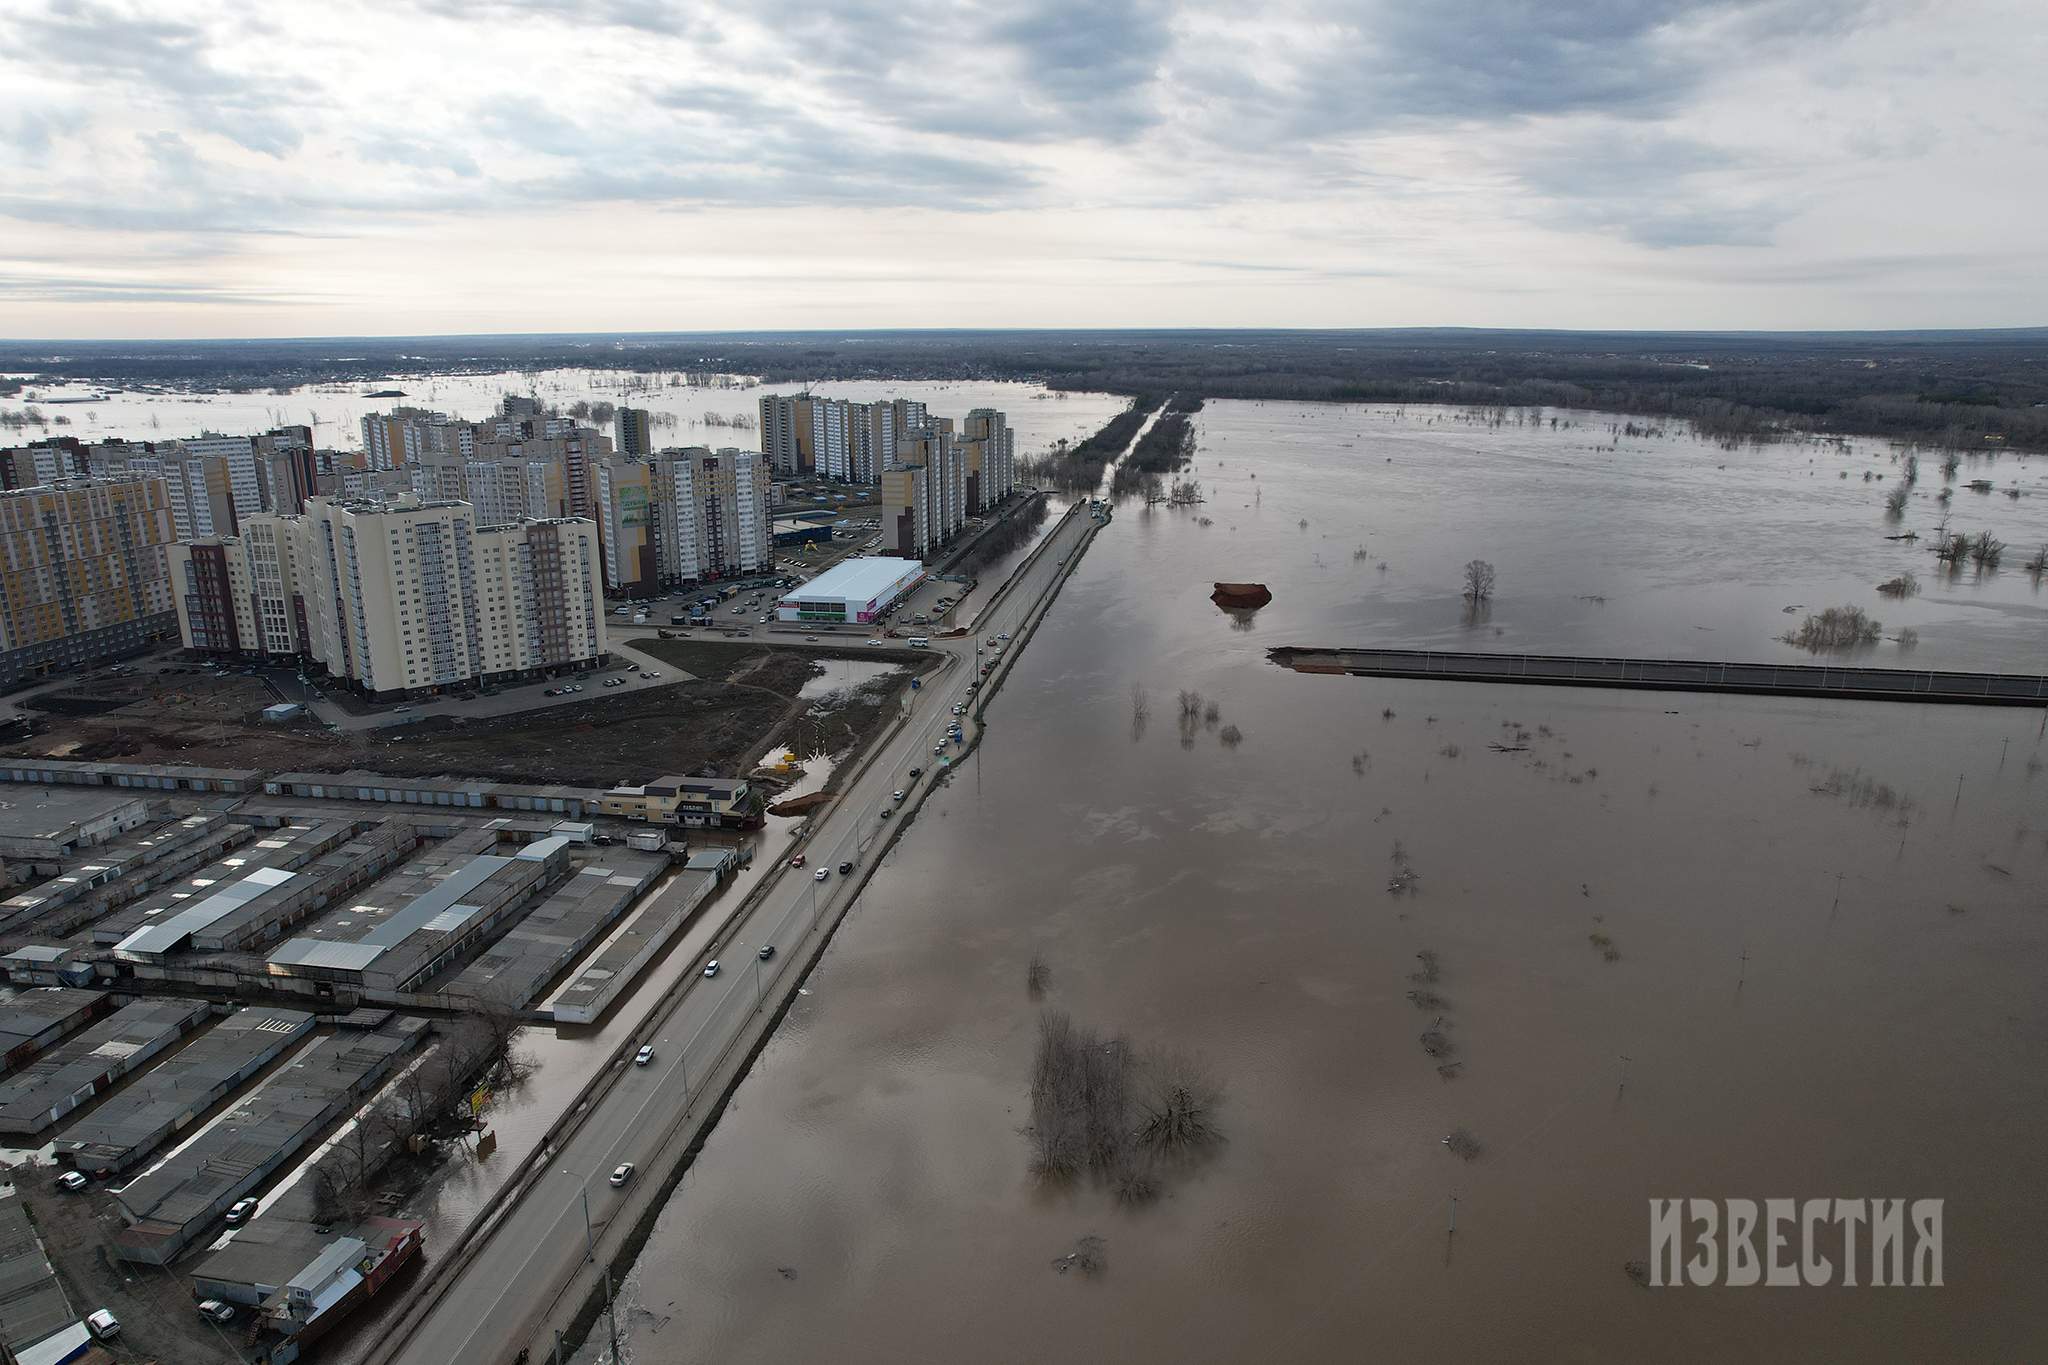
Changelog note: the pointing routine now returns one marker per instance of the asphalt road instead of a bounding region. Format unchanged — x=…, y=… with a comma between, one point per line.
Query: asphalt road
x=496, y=1303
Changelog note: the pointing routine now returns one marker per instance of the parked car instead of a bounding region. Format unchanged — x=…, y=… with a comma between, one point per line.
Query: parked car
x=711, y=967
x=896, y=796
x=241, y=1212
x=73, y=1181
x=218, y=1311
x=916, y=773
x=621, y=1173
x=103, y=1324
x=797, y=861
x=649, y=673
x=644, y=1055
x=767, y=951
x=938, y=749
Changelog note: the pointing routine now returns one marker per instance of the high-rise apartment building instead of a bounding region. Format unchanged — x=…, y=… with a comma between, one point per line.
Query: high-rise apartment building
x=779, y=443
x=686, y=516
x=924, y=498
x=237, y=458
x=626, y=516
x=400, y=597
x=633, y=432
x=84, y=575
x=395, y=439
x=991, y=459
x=577, y=449
x=201, y=492
x=834, y=437
x=718, y=523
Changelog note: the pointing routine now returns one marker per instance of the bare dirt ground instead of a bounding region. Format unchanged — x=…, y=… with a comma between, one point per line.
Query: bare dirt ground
x=742, y=700
x=155, y=1305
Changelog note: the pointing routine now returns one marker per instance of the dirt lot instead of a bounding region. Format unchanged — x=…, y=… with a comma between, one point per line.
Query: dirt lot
x=742, y=700
x=155, y=1306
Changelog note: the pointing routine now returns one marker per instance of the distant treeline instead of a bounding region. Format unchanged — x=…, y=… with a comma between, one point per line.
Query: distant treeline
x=1078, y=468
x=1164, y=449
x=1956, y=389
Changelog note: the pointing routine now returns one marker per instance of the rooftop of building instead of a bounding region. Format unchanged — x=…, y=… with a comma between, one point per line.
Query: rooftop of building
x=218, y=889
x=110, y=774
x=81, y=481
x=176, y=1090
x=55, y=812
x=25, y=1015
x=276, y=1119
x=35, y=1304
x=402, y=922
x=27, y=1096
x=855, y=580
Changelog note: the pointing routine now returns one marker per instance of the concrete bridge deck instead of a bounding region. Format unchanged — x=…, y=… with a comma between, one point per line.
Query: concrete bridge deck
x=1677, y=675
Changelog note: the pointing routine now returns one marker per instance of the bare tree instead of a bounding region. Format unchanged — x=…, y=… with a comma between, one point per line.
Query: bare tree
x=1141, y=704
x=1478, y=581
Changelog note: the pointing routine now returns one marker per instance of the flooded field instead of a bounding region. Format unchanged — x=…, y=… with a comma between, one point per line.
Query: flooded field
x=1678, y=946
x=685, y=415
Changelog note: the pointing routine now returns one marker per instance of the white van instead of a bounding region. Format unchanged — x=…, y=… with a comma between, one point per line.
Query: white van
x=920, y=642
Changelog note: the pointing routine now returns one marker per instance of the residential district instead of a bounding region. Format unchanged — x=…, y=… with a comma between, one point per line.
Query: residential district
x=234, y=995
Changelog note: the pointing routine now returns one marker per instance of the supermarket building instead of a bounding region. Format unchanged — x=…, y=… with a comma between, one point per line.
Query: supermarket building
x=853, y=593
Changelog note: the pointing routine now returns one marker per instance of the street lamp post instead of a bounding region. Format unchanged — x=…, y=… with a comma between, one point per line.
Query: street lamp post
x=590, y=1254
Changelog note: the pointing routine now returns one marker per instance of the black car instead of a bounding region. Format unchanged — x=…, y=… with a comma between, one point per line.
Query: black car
x=845, y=868
x=767, y=951
x=917, y=772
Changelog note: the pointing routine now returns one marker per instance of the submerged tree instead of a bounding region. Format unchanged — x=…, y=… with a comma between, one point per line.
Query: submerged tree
x=1478, y=581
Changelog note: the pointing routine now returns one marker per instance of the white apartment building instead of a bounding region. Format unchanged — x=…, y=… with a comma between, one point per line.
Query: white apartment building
x=238, y=455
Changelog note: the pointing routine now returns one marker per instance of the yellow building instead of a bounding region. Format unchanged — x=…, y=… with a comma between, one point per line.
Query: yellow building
x=84, y=575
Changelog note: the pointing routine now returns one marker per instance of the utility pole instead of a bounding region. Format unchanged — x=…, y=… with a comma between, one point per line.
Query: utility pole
x=1454, y=1215
x=1624, y=1075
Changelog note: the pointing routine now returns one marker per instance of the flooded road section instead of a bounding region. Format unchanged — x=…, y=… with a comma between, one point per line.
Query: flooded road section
x=1813, y=930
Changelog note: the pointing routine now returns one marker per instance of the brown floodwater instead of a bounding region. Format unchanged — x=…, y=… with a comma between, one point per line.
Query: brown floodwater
x=1815, y=930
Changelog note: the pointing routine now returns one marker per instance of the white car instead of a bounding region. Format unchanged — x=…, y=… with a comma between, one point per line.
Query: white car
x=103, y=1324
x=1003, y=635
x=73, y=1181
x=873, y=641
x=644, y=1055
x=896, y=796
x=239, y=1214
x=821, y=874
x=621, y=1173
x=711, y=967
x=218, y=1311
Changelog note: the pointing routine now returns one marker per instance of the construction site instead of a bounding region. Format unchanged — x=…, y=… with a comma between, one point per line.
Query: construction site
x=236, y=1001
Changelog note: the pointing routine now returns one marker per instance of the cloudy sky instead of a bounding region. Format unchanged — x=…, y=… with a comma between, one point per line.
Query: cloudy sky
x=176, y=168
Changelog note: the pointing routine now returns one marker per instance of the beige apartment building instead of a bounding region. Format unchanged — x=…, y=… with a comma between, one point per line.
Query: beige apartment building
x=991, y=455
x=924, y=498
x=685, y=516
x=398, y=598
x=84, y=574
